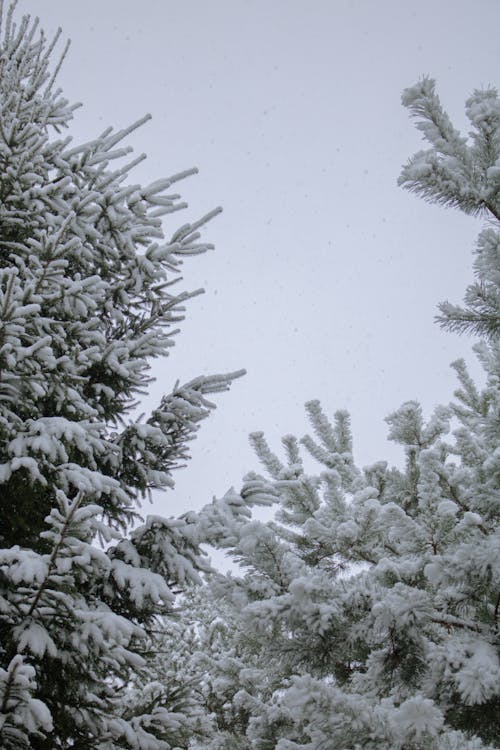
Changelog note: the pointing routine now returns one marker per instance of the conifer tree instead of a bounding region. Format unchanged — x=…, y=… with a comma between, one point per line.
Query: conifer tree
x=367, y=612
x=87, y=300
x=465, y=175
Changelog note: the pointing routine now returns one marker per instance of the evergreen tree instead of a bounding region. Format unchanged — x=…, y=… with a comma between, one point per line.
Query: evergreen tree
x=87, y=300
x=367, y=612
x=465, y=175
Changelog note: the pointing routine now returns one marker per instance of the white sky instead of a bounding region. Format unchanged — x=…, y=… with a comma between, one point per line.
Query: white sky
x=326, y=275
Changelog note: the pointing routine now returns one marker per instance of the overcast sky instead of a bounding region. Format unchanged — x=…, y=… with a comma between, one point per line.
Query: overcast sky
x=326, y=275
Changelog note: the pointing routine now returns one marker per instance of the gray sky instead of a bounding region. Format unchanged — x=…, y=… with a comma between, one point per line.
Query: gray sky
x=326, y=275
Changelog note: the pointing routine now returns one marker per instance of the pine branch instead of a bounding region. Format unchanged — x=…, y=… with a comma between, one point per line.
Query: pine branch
x=55, y=551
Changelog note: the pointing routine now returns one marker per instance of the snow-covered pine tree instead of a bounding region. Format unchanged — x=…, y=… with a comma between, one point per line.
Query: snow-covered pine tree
x=87, y=300
x=465, y=175
x=367, y=612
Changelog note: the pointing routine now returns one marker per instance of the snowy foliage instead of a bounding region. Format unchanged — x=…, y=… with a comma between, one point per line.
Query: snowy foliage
x=366, y=613
x=87, y=300
x=465, y=175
